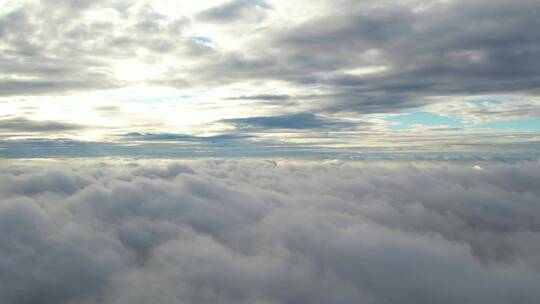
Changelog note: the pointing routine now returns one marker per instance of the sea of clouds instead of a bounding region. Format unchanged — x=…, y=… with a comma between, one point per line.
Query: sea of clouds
x=266, y=232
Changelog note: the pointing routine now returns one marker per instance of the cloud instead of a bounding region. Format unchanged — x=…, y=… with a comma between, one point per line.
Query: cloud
x=485, y=110
x=236, y=10
x=290, y=121
x=138, y=65
x=24, y=125
x=109, y=110
x=422, y=59
x=182, y=137
x=330, y=142
x=76, y=46
x=226, y=231
x=407, y=51
x=268, y=97
x=425, y=50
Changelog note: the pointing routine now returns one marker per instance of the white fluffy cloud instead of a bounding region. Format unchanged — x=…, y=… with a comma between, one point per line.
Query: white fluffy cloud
x=246, y=231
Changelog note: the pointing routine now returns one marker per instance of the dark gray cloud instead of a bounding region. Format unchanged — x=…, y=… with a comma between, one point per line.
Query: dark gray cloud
x=249, y=141
x=57, y=147
x=448, y=48
x=269, y=97
x=159, y=145
x=17, y=87
x=415, y=50
x=291, y=121
x=226, y=231
x=235, y=10
x=277, y=100
x=182, y=137
x=24, y=125
x=458, y=48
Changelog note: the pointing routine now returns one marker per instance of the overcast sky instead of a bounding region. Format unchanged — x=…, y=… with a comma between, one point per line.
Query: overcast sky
x=275, y=77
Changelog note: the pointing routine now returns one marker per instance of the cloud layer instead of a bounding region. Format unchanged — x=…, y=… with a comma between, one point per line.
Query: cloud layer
x=219, y=231
x=362, y=56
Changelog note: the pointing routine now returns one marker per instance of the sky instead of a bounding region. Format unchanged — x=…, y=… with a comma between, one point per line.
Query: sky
x=269, y=78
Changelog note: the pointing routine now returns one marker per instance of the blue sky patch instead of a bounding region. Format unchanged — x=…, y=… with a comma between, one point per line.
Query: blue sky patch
x=526, y=125
x=409, y=120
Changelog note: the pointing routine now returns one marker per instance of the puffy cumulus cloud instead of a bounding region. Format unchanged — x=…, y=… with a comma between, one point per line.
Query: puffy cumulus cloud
x=216, y=231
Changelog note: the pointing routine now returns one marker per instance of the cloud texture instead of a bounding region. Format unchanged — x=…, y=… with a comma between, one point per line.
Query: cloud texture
x=275, y=71
x=218, y=231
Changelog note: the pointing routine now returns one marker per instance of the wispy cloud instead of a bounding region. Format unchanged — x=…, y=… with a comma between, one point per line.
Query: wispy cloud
x=291, y=121
x=24, y=125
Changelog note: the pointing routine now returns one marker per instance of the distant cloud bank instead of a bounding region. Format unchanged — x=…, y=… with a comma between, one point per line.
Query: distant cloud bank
x=253, y=231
